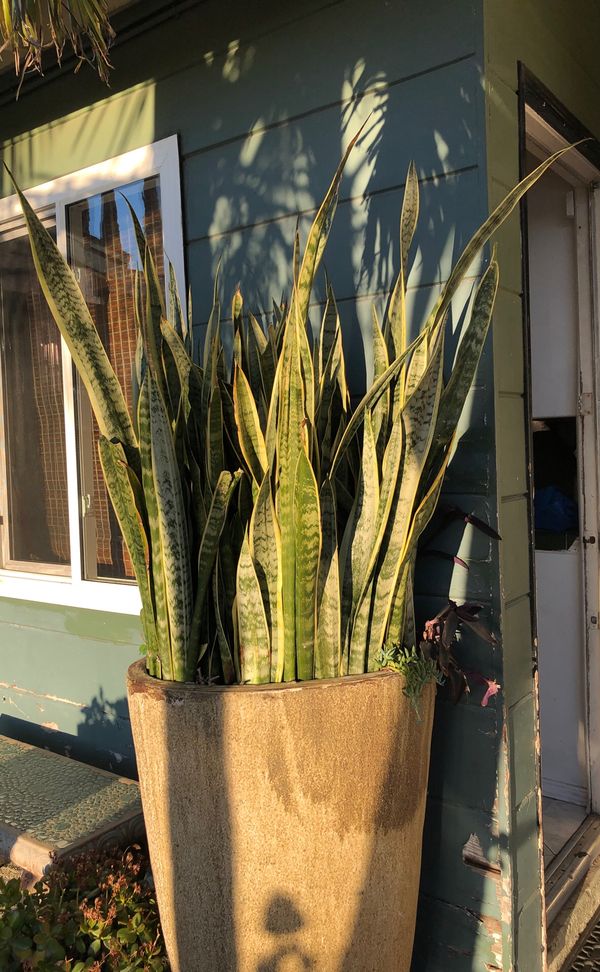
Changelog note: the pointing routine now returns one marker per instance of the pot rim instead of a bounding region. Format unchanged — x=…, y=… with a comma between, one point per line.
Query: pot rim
x=138, y=680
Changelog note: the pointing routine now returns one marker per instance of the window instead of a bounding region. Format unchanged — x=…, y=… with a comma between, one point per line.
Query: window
x=59, y=539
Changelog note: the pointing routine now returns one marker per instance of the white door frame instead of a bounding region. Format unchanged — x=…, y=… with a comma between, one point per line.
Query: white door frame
x=576, y=170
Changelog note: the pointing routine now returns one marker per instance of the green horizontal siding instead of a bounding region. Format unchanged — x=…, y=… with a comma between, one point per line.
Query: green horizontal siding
x=62, y=680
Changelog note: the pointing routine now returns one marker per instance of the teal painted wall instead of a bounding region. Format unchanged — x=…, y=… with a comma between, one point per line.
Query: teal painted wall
x=264, y=99
x=62, y=680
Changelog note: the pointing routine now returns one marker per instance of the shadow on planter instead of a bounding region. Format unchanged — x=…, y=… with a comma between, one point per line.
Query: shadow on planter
x=284, y=822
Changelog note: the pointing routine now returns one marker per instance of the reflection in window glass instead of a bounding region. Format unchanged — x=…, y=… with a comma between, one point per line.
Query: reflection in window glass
x=104, y=256
x=36, y=534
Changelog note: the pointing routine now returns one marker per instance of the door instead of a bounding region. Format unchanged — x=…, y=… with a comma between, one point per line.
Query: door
x=565, y=495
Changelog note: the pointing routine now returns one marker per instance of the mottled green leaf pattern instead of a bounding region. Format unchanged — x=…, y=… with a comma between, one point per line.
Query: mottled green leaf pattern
x=253, y=633
x=308, y=571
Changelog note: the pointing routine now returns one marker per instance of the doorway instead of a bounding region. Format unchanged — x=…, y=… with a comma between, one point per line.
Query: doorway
x=561, y=227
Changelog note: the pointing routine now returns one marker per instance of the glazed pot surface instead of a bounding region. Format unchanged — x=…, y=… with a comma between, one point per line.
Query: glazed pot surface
x=284, y=821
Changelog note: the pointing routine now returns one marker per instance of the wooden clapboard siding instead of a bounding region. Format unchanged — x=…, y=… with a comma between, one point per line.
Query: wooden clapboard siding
x=557, y=42
x=62, y=680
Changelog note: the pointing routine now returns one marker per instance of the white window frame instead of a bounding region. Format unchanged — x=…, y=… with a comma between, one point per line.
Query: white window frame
x=158, y=159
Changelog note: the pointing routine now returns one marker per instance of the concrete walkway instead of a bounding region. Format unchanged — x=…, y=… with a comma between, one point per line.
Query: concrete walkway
x=51, y=806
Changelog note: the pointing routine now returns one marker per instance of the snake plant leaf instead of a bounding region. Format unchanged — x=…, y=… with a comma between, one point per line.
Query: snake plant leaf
x=229, y=422
x=265, y=547
x=370, y=399
x=272, y=430
x=75, y=323
x=253, y=363
x=115, y=469
x=155, y=305
x=326, y=395
x=215, y=454
x=238, y=350
x=280, y=317
x=213, y=326
x=418, y=416
x=362, y=540
x=138, y=369
x=389, y=487
x=380, y=410
x=307, y=526
x=308, y=377
x=253, y=633
x=229, y=546
x=177, y=347
x=289, y=428
x=176, y=314
x=408, y=224
x=486, y=230
x=419, y=361
x=227, y=665
x=247, y=422
x=198, y=505
x=156, y=553
x=317, y=238
x=465, y=366
x=328, y=334
x=209, y=545
x=328, y=646
x=409, y=215
x=237, y=305
x=268, y=367
x=172, y=524
x=259, y=336
x=172, y=383
x=401, y=622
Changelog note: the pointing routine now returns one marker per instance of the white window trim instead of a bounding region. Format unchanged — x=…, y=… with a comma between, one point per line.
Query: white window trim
x=161, y=159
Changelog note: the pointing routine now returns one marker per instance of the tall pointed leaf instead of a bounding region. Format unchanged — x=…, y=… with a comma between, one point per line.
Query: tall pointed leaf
x=172, y=524
x=380, y=364
x=419, y=415
x=209, y=545
x=114, y=468
x=465, y=366
x=265, y=547
x=224, y=646
x=250, y=434
x=328, y=644
x=75, y=323
x=253, y=633
x=486, y=230
x=290, y=443
x=307, y=526
x=317, y=238
x=408, y=223
x=157, y=572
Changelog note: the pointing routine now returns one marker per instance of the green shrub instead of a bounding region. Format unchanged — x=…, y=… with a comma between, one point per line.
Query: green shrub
x=95, y=911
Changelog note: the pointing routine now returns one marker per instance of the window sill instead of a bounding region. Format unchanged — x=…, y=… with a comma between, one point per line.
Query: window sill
x=93, y=595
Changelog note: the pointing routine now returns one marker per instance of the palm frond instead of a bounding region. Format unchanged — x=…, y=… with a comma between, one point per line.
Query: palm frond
x=29, y=27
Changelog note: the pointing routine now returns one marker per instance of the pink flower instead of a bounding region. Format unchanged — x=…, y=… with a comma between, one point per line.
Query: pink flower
x=492, y=689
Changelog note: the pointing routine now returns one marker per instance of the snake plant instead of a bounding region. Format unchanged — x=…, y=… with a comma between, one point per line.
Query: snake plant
x=272, y=525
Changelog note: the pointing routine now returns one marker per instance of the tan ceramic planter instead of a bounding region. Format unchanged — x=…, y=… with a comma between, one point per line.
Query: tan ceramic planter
x=284, y=822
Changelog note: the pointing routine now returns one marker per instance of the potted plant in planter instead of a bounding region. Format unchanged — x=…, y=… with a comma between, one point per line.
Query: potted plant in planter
x=273, y=529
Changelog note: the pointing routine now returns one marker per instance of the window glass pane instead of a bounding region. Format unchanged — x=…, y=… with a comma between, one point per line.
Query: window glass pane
x=36, y=533
x=103, y=254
